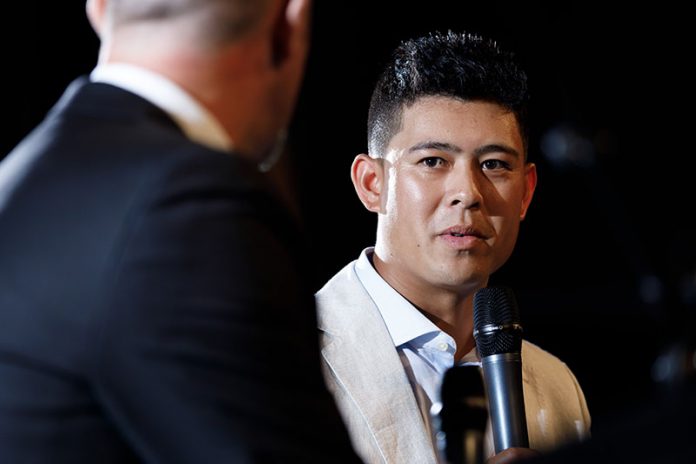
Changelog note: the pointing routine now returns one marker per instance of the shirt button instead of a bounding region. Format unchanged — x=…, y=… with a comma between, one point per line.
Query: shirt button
x=442, y=346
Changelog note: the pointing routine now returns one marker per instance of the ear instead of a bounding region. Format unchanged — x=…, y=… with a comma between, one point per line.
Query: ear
x=96, y=10
x=530, y=180
x=291, y=31
x=367, y=174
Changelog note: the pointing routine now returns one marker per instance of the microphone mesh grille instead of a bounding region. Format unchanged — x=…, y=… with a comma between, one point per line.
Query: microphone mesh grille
x=496, y=306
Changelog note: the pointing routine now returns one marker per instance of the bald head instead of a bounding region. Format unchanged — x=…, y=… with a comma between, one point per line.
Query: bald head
x=242, y=60
x=214, y=21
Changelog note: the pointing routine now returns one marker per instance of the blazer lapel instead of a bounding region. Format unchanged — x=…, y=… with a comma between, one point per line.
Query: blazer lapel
x=360, y=352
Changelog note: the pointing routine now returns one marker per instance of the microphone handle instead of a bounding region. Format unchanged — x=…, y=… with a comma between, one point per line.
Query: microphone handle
x=502, y=374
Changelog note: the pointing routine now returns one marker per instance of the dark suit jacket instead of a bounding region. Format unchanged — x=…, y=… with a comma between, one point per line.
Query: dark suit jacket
x=152, y=304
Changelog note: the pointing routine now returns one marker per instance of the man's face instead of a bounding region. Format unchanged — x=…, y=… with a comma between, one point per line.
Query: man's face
x=454, y=188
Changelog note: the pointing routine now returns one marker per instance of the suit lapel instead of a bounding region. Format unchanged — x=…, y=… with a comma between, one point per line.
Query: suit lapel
x=360, y=352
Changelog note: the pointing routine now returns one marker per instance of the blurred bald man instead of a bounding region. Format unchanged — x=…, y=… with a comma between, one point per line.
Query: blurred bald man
x=152, y=302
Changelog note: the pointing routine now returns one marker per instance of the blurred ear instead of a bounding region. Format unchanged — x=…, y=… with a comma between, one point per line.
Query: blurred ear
x=530, y=178
x=291, y=31
x=96, y=10
x=367, y=174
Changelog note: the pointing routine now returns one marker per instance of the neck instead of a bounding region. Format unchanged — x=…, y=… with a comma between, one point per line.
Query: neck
x=451, y=310
x=233, y=83
x=455, y=317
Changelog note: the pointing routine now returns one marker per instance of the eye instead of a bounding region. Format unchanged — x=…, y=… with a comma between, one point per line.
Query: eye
x=432, y=162
x=493, y=164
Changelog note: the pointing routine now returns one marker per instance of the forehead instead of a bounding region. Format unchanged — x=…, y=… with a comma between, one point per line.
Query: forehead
x=467, y=124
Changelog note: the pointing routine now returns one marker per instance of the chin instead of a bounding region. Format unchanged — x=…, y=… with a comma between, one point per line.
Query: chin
x=462, y=281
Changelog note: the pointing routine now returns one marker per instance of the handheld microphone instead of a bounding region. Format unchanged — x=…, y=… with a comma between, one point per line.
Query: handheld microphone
x=498, y=336
x=460, y=416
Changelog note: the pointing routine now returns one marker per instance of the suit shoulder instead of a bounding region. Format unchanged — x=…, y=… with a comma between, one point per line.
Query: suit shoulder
x=545, y=372
x=340, y=284
x=541, y=367
x=556, y=407
x=344, y=303
x=532, y=349
x=539, y=358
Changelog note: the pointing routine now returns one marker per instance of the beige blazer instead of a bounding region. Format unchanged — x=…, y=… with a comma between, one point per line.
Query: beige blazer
x=364, y=373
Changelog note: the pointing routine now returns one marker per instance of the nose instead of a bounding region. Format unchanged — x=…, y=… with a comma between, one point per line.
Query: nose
x=465, y=188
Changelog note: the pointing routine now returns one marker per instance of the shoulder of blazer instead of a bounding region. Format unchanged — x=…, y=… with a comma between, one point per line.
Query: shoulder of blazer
x=336, y=298
x=135, y=134
x=555, y=384
x=90, y=99
x=542, y=364
x=131, y=153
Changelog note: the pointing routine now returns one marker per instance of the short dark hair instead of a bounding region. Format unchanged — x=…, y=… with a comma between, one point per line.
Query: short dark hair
x=458, y=65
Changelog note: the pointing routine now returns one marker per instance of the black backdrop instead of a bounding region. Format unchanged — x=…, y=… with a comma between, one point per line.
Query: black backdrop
x=593, y=239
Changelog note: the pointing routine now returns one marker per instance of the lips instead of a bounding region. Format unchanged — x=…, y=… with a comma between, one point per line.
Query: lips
x=464, y=231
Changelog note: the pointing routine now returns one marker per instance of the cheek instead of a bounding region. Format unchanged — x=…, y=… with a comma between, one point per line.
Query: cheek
x=409, y=207
x=508, y=229
x=506, y=202
x=504, y=214
x=411, y=188
x=413, y=197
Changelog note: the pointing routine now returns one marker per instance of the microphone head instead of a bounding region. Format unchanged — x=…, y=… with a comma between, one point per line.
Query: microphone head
x=497, y=326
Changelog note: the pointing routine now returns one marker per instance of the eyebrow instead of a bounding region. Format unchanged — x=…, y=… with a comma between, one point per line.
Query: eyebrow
x=448, y=147
x=432, y=145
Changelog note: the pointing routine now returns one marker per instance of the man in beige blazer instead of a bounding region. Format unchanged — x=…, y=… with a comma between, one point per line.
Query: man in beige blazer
x=449, y=179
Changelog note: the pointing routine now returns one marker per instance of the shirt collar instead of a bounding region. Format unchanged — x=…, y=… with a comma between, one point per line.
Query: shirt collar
x=195, y=121
x=403, y=320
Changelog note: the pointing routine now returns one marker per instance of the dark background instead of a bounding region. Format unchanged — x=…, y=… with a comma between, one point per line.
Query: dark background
x=605, y=268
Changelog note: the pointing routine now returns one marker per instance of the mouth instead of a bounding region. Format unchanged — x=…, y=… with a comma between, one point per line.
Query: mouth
x=464, y=231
